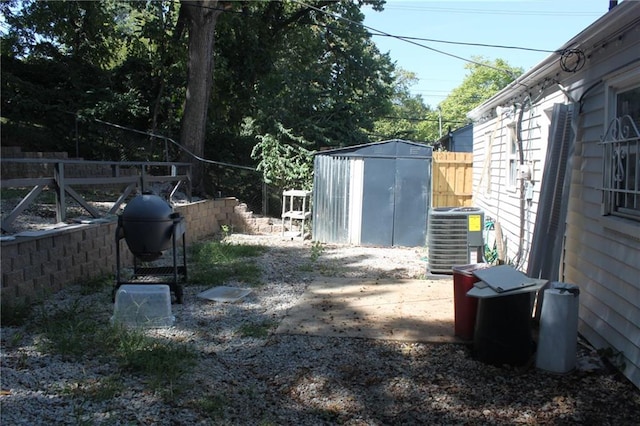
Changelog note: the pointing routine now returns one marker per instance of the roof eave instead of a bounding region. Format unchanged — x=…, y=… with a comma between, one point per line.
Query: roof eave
x=550, y=66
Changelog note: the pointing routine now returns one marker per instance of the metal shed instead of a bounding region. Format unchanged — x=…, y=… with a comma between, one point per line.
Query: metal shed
x=374, y=194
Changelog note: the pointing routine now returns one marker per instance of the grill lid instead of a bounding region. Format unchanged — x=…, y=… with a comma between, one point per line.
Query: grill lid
x=147, y=225
x=147, y=207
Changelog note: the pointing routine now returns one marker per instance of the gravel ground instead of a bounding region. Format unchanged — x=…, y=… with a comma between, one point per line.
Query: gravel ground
x=299, y=380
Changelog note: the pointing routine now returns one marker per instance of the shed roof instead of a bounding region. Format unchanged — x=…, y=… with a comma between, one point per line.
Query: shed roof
x=394, y=148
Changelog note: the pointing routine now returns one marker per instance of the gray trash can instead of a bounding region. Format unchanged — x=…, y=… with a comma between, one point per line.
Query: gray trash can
x=558, y=340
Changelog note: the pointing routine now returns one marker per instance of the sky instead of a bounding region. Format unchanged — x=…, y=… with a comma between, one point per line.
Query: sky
x=535, y=24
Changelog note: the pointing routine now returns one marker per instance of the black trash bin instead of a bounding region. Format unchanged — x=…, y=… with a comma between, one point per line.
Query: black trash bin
x=503, y=333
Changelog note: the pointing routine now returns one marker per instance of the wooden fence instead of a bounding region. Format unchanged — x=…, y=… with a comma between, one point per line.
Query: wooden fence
x=452, y=179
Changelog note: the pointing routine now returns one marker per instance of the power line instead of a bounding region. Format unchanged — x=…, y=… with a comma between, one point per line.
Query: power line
x=465, y=44
x=410, y=41
x=449, y=10
x=435, y=120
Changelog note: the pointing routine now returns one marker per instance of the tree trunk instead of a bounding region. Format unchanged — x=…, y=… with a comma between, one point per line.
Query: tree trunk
x=201, y=17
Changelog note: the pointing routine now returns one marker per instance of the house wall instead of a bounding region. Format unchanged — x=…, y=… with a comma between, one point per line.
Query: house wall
x=491, y=162
x=462, y=140
x=602, y=253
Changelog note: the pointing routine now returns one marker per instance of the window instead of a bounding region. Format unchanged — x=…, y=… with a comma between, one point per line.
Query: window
x=621, y=189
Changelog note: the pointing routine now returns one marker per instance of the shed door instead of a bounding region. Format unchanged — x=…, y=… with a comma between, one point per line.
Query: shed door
x=395, y=202
x=378, y=202
x=412, y=188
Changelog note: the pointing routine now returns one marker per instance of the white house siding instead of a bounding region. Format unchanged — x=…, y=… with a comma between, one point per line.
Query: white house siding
x=601, y=253
x=492, y=191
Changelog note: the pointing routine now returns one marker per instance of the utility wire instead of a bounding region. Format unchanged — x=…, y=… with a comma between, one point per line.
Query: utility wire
x=489, y=11
x=410, y=41
x=154, y=135
x=498, y=46
x=435, y=120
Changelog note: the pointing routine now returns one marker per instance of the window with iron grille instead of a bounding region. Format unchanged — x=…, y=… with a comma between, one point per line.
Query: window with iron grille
x=621, y=142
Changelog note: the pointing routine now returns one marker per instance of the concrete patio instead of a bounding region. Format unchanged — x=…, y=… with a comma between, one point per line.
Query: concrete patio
x=389, y=309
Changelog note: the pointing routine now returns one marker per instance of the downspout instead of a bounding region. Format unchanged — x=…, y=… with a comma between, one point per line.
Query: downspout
x=518, y=257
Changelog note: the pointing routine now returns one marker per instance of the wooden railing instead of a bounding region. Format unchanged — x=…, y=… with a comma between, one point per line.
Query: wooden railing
x=132, y=175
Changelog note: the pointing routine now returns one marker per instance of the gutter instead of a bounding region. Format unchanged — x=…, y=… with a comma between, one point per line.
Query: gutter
x=550, y=68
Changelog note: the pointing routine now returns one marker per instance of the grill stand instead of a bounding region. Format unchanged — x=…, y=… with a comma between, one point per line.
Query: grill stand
x=151, y=274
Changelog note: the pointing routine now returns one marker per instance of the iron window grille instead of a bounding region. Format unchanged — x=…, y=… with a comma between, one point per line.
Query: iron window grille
x=621, y=189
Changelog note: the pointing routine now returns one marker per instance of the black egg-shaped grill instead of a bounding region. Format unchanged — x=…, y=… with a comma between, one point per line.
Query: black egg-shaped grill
x=147, y=224
x=150, y=226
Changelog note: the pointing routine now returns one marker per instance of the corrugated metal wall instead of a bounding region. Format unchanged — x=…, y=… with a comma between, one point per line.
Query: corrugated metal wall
x=331, y=190
x=373, y=194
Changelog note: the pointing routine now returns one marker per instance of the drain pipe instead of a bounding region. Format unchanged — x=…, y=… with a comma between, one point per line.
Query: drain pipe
x=519, y=254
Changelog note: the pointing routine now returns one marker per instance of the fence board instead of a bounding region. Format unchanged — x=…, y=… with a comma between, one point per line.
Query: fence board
x=452, y=179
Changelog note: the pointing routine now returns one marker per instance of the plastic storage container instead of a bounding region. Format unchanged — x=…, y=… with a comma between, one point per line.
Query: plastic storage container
x=465, y=307
x=146, y=305
x=558, y=339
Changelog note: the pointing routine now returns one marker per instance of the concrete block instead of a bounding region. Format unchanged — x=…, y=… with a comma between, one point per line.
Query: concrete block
x=45, y=243
x=12, y=279
x=31, y=272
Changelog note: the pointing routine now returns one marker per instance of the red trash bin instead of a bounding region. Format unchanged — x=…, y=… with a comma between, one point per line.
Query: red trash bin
x=465, y=307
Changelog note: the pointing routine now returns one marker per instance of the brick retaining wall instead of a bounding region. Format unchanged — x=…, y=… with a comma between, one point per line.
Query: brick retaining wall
x=33, y=267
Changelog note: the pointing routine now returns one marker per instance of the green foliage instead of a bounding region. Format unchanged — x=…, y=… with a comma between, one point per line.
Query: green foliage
x=74, y=331
x=212, y=405
x=301, y=76
x=216, y=262
x=282, y=158
x=484, y=79
x=71, y=331
x=89, y=32
x=412, y=120
x=14, y=314
x=102, y=389
x=409, y=119
x=226, y=231
x=163, y=362
x=308, y=79
x=317, y=248
x=95, y=285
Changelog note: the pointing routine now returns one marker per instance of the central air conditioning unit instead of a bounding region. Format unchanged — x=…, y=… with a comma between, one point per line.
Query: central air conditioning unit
x=454, y=237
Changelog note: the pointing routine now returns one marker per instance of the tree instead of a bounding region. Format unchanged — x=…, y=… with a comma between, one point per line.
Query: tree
x=201, y=17
x=298, y=69
x=286, y=66
x=82, y=31
x=283, y=158
x=484, y=79
x=56, y=60
x=408, y=113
